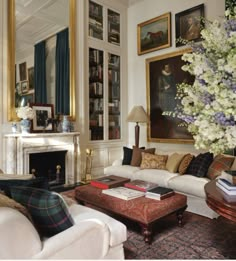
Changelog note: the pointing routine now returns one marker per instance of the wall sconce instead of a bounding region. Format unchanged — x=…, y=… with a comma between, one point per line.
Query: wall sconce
x=137, y=114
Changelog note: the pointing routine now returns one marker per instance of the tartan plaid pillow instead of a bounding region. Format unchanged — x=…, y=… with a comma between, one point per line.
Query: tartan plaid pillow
x=199, y=166
x=48, y=209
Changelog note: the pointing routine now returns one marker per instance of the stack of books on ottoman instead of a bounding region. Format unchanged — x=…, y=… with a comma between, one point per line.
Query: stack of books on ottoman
x=227, y=187
x=127, y=190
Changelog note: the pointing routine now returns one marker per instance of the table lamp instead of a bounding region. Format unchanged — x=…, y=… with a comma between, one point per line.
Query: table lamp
x=137, y=114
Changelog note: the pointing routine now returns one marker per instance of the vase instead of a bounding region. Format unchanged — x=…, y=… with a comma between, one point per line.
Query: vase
x=25, y=125
x=65, y=124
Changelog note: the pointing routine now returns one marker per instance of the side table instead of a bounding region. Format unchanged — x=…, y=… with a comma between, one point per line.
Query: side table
x=216, y=201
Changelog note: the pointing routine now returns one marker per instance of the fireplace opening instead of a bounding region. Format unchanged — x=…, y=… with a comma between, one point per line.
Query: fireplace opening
x=50, y=165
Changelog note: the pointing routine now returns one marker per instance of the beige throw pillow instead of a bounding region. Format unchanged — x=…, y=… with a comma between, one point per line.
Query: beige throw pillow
x=11, y=203
x=150, y=161
x=137, y=156
x=173, y=162
x=185, y=163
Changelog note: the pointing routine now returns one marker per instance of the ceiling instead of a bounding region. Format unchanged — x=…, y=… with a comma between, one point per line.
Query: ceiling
x=37, y=20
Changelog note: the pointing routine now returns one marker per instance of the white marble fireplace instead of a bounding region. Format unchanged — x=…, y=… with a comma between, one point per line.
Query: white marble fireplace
x=18, y=148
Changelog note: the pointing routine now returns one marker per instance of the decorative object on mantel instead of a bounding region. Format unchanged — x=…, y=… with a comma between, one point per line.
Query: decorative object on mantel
x=26, y=114
x=137, y=114
x=208, y=106
x=66, y=124
x=14, y=127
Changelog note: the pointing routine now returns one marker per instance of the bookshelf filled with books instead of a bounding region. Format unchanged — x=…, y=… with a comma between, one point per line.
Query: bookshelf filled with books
x=104, y=69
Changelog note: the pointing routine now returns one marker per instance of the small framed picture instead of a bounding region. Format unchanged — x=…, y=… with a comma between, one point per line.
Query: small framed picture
x=154, y=34
x=188, y=24
x=24, y=86
x=43, y=115
x=22, y=69
x=31, y=77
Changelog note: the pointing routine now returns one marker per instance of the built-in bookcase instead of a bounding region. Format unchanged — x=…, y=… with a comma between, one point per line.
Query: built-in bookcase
x=104, y=73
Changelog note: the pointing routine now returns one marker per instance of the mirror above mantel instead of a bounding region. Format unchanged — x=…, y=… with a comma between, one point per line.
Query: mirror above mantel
x=31, y=22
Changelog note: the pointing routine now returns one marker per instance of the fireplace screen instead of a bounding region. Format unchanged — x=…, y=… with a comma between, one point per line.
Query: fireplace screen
x=50, y=165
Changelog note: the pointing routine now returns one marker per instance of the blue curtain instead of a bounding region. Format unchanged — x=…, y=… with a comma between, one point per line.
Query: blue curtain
x=40, y=72
x=62, y=73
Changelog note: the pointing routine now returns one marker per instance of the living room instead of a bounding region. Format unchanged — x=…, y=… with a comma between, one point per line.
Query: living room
x=136, y=89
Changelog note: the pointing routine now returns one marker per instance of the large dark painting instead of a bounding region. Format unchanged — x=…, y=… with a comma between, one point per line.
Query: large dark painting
x=163, y=73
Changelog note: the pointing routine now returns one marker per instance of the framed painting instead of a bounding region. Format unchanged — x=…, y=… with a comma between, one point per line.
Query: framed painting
x=163, y=74
x=22, y=70
x=154, y=34
x=43, y=115
x=24, y=86
x=188, y=24
x=31, y=78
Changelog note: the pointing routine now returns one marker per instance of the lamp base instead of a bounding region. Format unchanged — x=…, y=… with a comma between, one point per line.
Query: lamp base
x=137, y=135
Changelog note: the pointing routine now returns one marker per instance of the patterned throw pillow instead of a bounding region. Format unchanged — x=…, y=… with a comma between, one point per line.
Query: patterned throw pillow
x=219, y=163
x=48, y=209
x=152, y=161
x=185, y=163
x=173, y=162
x=137, y=156
x=199, y=166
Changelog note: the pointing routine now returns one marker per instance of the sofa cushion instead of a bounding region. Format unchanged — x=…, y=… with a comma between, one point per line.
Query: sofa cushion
x=153, y=161
x=219, y=163
x=183, y=166
x=19, y=238
x=199, y=166
x=189, y=184
x=137, y=156
x=173, y=162
x=124, y=171
x=48, y=209
x=118, y=233
x=158, y=176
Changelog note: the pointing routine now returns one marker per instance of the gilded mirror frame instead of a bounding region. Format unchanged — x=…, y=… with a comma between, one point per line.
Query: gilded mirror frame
x=11, y=112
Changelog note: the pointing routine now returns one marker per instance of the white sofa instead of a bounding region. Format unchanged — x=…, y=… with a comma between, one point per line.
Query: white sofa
x=189, y=185
x=94, y=236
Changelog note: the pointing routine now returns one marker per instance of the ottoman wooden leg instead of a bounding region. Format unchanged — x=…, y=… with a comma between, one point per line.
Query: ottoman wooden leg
x=179, y=214
x=147, y=233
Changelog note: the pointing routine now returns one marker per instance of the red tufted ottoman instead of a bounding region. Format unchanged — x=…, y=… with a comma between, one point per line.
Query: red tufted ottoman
x=143, y=210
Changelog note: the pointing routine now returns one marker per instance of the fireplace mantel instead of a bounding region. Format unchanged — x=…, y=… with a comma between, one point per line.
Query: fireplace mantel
x=18, y=148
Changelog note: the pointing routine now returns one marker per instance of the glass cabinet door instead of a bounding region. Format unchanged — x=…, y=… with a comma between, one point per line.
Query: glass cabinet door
x=114, y=96
x=113, y=28
x=96, y=99
x=95, y=20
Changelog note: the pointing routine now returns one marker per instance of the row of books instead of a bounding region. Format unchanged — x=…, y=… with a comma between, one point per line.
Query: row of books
x=125, y=189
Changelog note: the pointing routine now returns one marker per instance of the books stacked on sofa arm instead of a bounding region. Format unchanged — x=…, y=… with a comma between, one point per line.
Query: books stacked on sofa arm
x=123, y=193
x=141, y=185
x=229, y=175
x=159, y=193
x=226, y=186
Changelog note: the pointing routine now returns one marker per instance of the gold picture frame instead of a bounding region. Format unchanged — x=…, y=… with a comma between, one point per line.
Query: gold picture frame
x=154, y=34
x=163, y=73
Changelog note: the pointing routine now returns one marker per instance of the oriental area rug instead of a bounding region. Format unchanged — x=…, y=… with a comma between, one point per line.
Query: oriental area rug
x=199, y=238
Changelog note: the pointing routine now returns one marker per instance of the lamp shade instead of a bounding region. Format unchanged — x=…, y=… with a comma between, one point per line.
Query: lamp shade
x=137, y=114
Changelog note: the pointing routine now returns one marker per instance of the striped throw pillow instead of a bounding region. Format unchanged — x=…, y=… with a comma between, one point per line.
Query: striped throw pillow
x=219, y=163
x=48, y=209
x=185, y=163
